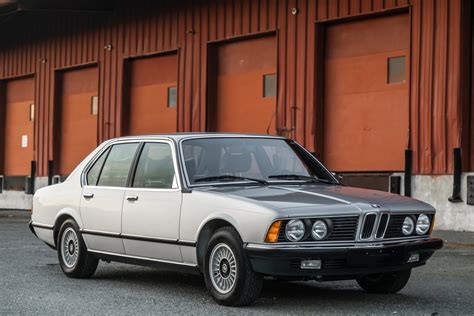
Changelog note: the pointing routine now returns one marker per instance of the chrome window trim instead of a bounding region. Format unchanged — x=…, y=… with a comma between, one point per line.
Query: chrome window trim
x=91, y=162
x=175, y=167
x=103, y=187
x=154, y=189
x=139, y=141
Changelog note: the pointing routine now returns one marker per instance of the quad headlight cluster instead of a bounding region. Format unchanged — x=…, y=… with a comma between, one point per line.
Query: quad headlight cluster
x=295, y=230
x=421, y=225
x=326, y=229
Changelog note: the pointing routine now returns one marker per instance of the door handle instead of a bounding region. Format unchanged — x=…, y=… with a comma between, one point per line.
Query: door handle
x=88, y=195
x=132, y=198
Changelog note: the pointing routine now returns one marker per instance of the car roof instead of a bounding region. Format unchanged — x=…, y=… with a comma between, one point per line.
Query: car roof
x=181, y=136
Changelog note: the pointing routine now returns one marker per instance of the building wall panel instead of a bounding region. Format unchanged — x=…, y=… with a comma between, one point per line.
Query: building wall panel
x=240, y=104
x=365, y=116
x=41, y=43
x=146, y=104
x=18, y=143
x=78, y=119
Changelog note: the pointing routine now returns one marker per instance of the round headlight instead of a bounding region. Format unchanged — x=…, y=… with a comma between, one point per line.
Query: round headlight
x=408, y=226
x=422, y=224
x=294, y=230
x=319, y=230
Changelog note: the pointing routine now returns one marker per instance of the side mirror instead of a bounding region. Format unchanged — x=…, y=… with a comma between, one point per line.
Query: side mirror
x=337, y=176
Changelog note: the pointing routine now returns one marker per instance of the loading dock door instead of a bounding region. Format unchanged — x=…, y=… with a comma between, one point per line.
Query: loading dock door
x=19, y=127
x=152, y=99
x=246, y=86
x=366, y=94
x=79, y=111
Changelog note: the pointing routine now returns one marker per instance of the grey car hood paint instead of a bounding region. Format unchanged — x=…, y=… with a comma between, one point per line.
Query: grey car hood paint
x=318, y=198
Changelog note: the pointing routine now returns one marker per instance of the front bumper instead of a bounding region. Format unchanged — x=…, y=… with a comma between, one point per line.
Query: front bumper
x=339, y=262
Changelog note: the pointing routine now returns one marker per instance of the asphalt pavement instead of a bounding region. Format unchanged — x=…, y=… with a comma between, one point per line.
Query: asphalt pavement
x=31, y=282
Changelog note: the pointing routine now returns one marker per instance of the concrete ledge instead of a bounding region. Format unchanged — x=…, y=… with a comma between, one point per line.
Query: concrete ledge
x=15, y=214
x=455, y=239
x=436, y=190
x=15, y=200
x=19, y=200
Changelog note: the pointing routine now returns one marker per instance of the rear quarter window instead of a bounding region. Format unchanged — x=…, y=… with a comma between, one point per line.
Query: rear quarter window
x=94, y=172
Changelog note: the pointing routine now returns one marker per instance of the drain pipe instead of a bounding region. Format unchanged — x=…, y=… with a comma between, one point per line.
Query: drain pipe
x=31, y=183
x=408, y=171
x=456, y=197
x=50, y=172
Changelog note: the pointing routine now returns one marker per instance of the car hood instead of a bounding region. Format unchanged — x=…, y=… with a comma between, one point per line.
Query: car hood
x=321, y=196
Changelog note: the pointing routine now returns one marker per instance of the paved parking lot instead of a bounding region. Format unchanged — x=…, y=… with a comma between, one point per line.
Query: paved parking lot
x=31, y=283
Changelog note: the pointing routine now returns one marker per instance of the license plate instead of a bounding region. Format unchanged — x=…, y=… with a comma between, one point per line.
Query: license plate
x=374, y=257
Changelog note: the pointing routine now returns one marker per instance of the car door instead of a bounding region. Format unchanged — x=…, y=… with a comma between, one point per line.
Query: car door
x=102, y=197
x=152, y=205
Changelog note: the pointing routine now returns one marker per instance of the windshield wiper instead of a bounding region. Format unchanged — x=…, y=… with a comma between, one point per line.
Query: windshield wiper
x=298, y=177
x=230, y=177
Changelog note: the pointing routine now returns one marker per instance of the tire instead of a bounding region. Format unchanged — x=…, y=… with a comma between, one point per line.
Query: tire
x=240, y=284
x=73, y=257
x=385, y=283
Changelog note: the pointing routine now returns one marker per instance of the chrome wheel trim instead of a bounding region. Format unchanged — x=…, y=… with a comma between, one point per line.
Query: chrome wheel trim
x=69, y=247
x=223, y=268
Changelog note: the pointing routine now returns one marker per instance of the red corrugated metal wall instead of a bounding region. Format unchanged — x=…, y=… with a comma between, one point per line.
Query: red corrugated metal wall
x=41, y=44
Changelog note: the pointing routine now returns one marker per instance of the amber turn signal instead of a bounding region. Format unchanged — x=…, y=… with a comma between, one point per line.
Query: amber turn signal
x=432, y=225
x=273, y=231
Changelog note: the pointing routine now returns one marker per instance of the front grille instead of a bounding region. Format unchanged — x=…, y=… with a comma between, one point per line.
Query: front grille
x=394, y=229
x=295, y=264
x=382, y=225
x=368, y=226
x=334, y=264
x=343, y=229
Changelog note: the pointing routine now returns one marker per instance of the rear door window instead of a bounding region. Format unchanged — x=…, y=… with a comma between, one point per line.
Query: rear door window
x=117, y=165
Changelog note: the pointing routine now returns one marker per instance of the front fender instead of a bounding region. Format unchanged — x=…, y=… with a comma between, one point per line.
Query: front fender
x=217, y=216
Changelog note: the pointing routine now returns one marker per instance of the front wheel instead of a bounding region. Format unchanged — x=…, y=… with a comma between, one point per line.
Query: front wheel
x=73, y=257
x=385, y=283
x=228, y=274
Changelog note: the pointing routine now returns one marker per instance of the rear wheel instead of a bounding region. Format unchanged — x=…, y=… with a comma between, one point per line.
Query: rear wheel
x=385, y=283
x=229, y=276
x=73, y=257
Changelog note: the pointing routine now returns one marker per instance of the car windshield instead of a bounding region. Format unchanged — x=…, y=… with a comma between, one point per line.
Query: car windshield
x=251, y=160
